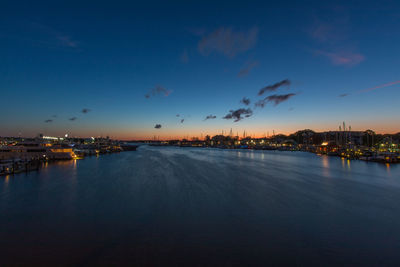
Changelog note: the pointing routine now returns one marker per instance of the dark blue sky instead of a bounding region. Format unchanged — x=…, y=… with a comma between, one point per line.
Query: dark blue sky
x=197, y=59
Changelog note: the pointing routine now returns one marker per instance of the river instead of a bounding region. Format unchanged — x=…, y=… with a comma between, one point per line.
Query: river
x=200, y=206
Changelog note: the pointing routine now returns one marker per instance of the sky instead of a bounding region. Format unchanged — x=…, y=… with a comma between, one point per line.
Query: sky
x=158, y=69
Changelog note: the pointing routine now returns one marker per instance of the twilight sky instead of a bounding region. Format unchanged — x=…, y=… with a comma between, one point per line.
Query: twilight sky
x=141, y=69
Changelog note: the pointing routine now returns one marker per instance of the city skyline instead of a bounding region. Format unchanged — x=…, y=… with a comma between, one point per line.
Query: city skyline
x=78, y=69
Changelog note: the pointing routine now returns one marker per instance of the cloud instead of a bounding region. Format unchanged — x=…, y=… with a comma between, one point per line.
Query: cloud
x=333, y=39
x=210, y=117
x=67, y=41
x=277, y=99
x=45, y=34
x=372, y=88
x=177, y=115
x=48, y=121
x=274, y=87
x=54, y=116
x=260, y=103
x=158, y=126
x=157, y=91
x=245, y=101
x=238, y=114
x=247, y=68
x=342, y=58
x=379, y=86
x=329, y=33
x=228, y=42
x=185, y=56
x=73, y=119
x=85, y=110
x=321, y=32
x=182, y=120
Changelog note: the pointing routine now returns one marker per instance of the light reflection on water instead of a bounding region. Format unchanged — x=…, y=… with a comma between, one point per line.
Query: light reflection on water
x=6, y=181
x=325, y=163
x=388, y=168
x=203, y=206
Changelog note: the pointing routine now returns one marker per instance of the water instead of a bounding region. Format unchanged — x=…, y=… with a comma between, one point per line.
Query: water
x=188, y=206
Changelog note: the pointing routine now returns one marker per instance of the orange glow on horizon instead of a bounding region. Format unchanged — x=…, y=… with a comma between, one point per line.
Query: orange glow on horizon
x=254, y=130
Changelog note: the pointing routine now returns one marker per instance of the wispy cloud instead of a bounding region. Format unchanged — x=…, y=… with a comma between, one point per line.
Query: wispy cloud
x=342, y=58
x=185, y=56
x=320, y=32
x=85, y=110
x=39, y=34
x=372, y=88
x=228, y=41
x=246, y=101
x=158, y=126
x=48, y=121
x=238, y=114
x=73, y=119
x=274, y=87
x=52, y=36
x=333, y=38
x=247, y=68
x=379, y=86
x=210, y=117
x=67, y=41
x=157, y=91
x=329, y=33
x=182, y=120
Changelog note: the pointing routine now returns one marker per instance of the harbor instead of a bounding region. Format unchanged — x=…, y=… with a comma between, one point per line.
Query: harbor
x=344, y=143
x=29, y=154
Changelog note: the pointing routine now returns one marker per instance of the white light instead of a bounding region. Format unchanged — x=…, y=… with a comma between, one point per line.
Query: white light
x=50, y=137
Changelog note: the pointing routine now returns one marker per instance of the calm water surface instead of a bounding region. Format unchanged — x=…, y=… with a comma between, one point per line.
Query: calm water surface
x=187, y=206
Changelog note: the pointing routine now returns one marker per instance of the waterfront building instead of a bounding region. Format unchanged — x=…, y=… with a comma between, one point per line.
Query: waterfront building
x=37, y=151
